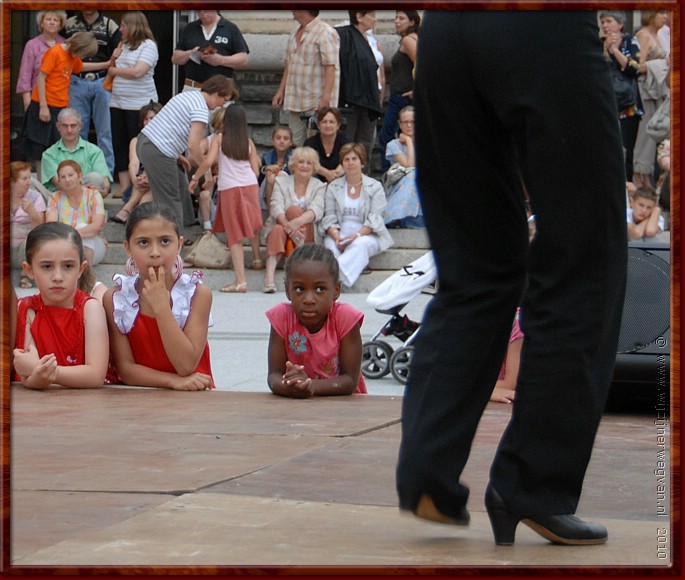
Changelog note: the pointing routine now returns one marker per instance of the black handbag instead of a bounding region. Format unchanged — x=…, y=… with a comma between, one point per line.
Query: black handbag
x=625, y=89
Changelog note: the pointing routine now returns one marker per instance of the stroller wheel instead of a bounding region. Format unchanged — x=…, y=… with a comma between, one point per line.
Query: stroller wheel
x=399, y=363
x=376, y=359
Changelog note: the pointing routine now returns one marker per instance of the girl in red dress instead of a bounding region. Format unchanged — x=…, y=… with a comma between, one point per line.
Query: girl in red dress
x=61, y=333
x=157, y=316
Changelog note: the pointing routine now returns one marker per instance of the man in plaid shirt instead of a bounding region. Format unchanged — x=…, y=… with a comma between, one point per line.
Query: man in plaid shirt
x=311, y=76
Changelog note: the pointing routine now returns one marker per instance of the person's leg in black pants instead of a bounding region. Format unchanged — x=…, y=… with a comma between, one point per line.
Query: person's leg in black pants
x=629, y=129
x=495, y=115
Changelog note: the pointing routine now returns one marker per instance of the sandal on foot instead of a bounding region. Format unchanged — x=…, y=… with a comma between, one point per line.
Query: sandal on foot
x=118, y=218
x=25, y=282
x=257, y=264
x=269, y=289
x=235, y=288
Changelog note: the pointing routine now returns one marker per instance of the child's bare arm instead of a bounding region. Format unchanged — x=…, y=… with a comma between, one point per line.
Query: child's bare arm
x=43, y=110
x=636, y=231
x=505, y=388
x=350, y=367
x=35, y=372
x=652, y=223
x=283, y=377
x=45, y=372
x=183, y=346
x=95, y=66
x=255, y=161
x=92, y=373
x=135, y=374
x=209, y=159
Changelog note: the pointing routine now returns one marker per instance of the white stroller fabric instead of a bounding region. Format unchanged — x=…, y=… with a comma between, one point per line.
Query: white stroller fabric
x=405, y=284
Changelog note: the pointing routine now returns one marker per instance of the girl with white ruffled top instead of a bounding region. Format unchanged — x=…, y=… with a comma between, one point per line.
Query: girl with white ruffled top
x=158, y=317
x=353, y=216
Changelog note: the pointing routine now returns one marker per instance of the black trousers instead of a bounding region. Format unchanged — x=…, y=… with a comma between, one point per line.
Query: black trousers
x=505, y=99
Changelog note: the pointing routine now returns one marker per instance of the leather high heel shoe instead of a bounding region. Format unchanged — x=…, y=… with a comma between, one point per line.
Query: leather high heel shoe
x=426, y=509
x=559, y=529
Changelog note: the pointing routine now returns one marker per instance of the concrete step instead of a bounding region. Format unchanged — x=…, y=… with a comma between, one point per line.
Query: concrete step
x=409, y=245
x=404, y=239
x=391, y=259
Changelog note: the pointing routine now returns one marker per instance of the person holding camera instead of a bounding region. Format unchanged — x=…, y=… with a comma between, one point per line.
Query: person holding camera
x=209, y=46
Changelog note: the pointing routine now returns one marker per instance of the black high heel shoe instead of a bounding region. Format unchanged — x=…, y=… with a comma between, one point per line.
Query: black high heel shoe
x=426, y=510
x=558, y=529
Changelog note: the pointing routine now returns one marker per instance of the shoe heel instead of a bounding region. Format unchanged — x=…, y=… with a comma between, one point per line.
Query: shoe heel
x=503, y=526
x=502, y=522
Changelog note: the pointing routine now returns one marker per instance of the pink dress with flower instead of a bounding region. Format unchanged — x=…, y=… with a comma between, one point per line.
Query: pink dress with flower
x=318, y=352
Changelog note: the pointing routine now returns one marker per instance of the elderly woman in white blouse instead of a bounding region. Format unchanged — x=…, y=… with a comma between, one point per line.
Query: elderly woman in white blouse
x=296, y=208
x=353, y=216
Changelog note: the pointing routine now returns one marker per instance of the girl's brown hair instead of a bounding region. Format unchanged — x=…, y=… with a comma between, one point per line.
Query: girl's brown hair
x=82, y=44
x=50, y=231
x=235, y=143
x=145, y=109
x=217, y=122
x=138, y=29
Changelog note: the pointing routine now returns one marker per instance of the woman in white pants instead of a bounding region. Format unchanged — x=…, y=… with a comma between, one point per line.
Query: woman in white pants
x=353, y=216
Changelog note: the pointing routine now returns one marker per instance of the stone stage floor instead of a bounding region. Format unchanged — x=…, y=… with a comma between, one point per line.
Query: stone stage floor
x=129, y=480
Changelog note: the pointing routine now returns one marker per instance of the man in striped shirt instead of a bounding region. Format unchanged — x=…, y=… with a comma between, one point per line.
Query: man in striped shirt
x=311, y=76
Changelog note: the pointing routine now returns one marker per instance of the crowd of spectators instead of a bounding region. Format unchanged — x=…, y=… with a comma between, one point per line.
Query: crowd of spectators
x=314, y=185
x=640, y=65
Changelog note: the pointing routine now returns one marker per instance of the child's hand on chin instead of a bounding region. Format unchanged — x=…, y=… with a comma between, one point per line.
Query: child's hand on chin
x=155, y=290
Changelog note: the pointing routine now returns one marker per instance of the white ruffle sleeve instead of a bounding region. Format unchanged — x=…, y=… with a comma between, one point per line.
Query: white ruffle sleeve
x=127, y=302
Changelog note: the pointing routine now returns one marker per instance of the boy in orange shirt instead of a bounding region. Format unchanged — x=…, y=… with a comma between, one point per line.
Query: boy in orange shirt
x=51, y=92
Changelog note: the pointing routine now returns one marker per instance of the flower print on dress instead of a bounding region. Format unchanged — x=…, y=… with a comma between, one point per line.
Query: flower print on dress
x=330, y=368
x=297, y=343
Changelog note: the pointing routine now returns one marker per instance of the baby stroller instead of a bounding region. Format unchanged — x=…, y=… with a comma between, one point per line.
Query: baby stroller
x=390, y=297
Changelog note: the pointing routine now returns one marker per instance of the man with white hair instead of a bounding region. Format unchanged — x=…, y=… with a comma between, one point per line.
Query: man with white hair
x=72, y=146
